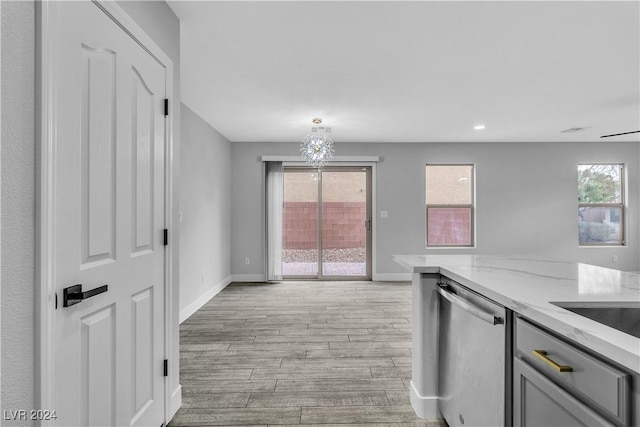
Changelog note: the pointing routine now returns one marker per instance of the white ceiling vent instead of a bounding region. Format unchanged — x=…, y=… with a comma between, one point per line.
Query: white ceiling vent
x=573, y=130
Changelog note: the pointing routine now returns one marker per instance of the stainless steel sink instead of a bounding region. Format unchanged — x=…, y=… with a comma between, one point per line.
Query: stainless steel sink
x=623, y=316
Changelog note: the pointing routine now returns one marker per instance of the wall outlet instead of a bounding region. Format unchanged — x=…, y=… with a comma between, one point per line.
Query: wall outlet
x=203, y=278
x=247, y=261
x=614, y=258
x=384, y=214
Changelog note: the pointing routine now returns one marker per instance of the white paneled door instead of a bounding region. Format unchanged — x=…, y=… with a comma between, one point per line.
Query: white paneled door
x=109, y=223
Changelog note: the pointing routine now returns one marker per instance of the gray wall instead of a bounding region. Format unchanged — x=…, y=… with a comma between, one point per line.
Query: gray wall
x=18, y=204
x=205, y=201
x=526, y=199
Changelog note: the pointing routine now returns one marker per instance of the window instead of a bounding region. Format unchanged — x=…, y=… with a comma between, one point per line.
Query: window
x=601, y=205
x=449, y=205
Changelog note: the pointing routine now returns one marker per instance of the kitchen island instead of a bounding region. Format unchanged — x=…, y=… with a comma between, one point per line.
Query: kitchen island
x=528, y=287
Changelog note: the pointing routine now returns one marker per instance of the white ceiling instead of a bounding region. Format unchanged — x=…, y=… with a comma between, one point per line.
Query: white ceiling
x=418, y=71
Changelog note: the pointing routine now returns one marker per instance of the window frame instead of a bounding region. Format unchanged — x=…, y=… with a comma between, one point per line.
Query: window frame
x=471, y=206
x=621, y=205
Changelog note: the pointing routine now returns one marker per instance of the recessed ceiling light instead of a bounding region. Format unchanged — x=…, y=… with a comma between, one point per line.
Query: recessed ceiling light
x=479, y=127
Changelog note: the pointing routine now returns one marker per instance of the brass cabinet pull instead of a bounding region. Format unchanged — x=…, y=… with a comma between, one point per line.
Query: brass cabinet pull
x=542, y=355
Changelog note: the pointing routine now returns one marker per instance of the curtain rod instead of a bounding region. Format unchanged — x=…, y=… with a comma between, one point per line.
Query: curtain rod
x=335, y=159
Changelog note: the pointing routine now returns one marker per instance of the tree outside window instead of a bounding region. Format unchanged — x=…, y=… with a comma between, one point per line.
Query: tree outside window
x=600, y=204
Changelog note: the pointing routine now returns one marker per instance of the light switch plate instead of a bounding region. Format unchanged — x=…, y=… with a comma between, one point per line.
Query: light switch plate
x=384, y=214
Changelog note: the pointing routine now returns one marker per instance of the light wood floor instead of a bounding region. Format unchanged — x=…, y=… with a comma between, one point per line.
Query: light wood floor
x=299, y=353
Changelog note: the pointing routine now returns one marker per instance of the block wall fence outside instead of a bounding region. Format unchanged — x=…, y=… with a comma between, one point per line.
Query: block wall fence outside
x=449, y=226
x=342, y=225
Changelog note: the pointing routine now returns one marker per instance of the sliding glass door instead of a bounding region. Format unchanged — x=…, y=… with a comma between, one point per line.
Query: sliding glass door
x=326, y=223
x=300, y=223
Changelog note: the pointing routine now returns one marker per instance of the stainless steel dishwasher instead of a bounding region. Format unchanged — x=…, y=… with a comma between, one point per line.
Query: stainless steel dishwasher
x=471, y=358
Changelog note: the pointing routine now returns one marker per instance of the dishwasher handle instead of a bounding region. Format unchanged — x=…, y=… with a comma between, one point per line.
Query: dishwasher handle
x=470, y=308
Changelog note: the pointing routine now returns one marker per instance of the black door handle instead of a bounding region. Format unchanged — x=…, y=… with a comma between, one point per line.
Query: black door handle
x=73, y=294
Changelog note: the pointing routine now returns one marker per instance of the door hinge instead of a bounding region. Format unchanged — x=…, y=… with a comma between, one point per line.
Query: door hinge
x=166, y=236
x=166, y=367
x=166, y=106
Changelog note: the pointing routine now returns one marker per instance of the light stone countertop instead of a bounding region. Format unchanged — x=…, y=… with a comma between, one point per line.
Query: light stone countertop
x=529, y=285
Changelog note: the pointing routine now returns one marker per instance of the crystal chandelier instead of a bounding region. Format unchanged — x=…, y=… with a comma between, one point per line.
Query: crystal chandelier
x=317, y=148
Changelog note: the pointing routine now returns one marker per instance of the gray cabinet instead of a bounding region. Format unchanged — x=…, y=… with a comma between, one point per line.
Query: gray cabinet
x=555, y=383
x=540, y=402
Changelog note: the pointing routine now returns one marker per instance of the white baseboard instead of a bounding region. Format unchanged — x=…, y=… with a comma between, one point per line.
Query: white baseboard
x=175, y=403
x=248, y=277
x=424, y=406
x=186, y=312
x=392, y=277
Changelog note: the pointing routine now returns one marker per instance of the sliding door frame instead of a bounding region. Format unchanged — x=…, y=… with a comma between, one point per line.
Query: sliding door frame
x=369, y=220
